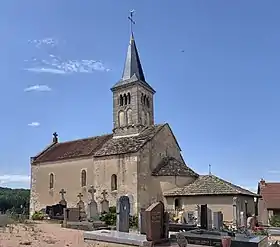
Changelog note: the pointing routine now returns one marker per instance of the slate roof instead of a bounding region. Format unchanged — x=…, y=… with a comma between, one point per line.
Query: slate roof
x=169, y=166
x=209, y=185
x=270, y=193
x=97, y=146
x=133, y=71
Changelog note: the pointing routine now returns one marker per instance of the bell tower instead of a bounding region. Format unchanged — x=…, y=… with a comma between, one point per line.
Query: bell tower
x=133, y=97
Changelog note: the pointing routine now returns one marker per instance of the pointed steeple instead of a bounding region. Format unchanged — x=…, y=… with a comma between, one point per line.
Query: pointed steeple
x=133, y=71
x=132, y=62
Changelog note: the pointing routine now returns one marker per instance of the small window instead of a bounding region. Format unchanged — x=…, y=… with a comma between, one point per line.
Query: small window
x=51, y=181
x=148, y=102
x=177, y=204
x=121, y=119
x=128, y=98
x=114, y=182
x=83, y=178
x=121, y=100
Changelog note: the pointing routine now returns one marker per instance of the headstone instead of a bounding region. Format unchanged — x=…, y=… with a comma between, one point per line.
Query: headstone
x=166, y=225
x=234, y=204
x=92, y=206
x=209, y=219
x=218, y=220
x=197, y=214
x=142, y=221
x=104, y=204
x=242, y=219
x=71, y=214
x=181, y=240
x=154, y=222
x=62, y=201
x=123, y=209
x=81, y=207
x=203, y=217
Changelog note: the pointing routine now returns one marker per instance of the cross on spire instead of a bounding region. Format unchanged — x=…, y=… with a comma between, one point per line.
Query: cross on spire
x=130, y=17
x=80, y=195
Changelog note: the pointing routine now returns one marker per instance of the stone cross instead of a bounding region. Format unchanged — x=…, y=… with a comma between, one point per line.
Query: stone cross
x=92, y=191
x=104, y=194
x=62, y=192
x=80, y=195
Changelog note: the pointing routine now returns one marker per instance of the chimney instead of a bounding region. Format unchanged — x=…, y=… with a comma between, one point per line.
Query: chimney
x=262, y=182
x=55, y=137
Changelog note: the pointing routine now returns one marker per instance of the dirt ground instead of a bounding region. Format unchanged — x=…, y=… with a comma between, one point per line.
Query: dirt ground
x=40, y=235
x=44, y=234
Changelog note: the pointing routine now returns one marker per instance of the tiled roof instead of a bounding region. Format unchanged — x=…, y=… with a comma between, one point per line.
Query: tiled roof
x=209, y=185
x=131, y=144
x=270, y=193
x=169, y=166
x=72, y=149
x=97, y=146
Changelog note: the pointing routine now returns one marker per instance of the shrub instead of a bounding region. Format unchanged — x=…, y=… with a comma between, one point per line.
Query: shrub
x=133, y=221
x=275, y=221
x=37, y=216
x=109, y=218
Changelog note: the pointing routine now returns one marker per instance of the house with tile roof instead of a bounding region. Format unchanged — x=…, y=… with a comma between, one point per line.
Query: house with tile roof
x=269, y=202
x=139, y=158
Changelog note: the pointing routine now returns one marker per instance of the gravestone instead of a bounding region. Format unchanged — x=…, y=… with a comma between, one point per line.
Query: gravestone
x=71, y=214
x=81, y=207
x=62, y=201
x=155, y=222
x=142, y=221
x=243, y=220
x=92, y=206
x=203, y=217
x=123, y=210
x=104, y=204
x=218, y=220
x=235, y=217
x=181, y=240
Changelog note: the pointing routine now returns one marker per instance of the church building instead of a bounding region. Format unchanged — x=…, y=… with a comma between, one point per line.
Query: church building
x=140, y=159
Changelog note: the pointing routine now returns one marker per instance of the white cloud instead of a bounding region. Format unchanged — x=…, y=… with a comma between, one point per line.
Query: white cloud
x=274, y=171
x=46, y=70
x=46, y=41
x=34, y=124
x=41, y=88
x=8, y=179
x=56, y=65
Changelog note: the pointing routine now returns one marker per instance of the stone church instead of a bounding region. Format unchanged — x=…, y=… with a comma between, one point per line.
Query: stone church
x=139, y=158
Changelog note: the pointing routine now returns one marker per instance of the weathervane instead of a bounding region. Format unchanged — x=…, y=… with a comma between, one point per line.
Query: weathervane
x=130, y=17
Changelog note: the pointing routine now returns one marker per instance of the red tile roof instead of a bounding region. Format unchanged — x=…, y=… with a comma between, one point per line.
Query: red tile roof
x=97, y=146
x=270, y=193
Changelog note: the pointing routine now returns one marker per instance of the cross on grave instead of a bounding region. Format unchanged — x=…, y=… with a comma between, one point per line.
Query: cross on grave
x=62, y=192
x=80, y=195
x=104, y=194
x=92, y=191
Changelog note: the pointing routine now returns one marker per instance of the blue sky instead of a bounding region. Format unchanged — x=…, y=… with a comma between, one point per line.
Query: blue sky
x=220, y=96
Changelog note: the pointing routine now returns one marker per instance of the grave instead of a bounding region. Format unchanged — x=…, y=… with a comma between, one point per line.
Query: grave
x=218, y=220
x=92, y=206
x=81, y=207
x=123, y=211
x=156, y=229
x=214, y=238
x=104, y=204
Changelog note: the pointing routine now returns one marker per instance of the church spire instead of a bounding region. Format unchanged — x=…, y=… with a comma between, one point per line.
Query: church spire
x=132, y=64
x=133, y=71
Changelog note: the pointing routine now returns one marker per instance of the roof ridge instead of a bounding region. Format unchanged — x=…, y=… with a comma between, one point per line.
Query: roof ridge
x=85, y=138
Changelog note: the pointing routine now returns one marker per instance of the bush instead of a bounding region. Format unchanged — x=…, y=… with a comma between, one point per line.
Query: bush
x=275, y=221
x=133, y=221
x=38, y=216
x=109, y=218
